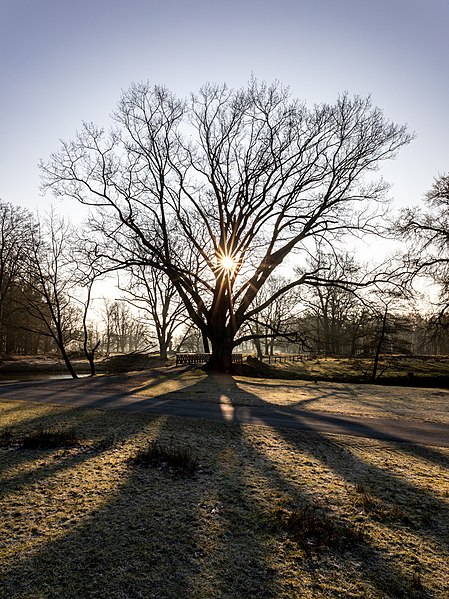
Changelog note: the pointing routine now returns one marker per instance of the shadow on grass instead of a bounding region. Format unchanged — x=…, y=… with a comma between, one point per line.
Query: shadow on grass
x=38, y=470
x=214, y=535
x=383, y=571
x=150, y=537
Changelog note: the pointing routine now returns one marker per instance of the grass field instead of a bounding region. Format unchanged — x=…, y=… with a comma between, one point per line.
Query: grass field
x=394, y=369
x=220, y=510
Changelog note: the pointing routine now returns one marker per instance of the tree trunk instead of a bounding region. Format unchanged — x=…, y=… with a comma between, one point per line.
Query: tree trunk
x=67, y=362
x=258, y=347
x=221, y=356
x=91, y=360
x=90, y=355
x=379, y=346
x=163, y=350
x=205, y=342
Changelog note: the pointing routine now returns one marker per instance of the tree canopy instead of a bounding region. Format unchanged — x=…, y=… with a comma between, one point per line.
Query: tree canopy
x=219, y=190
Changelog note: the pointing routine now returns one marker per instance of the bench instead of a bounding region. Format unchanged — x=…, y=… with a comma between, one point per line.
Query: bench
x=203, y=358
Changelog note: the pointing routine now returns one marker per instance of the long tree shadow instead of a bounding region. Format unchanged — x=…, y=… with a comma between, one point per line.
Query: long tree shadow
x=365, y=427
x=378, y=566
x=217, y=538
x=101, y=392
x=380, y=569
x=68, y=457
x=139, y=542
x=389, y=489
x=370, y=427
x=355, y=394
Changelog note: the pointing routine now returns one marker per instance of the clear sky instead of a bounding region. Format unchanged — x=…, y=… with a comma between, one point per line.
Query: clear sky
x=65, y=61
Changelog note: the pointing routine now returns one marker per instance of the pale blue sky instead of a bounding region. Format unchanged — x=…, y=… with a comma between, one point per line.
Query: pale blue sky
x=65, y=61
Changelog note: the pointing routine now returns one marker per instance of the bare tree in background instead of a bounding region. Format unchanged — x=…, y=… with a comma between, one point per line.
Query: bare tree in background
x=151, y=291
x=334, y=313
x=88, y=270
x=50, y=281
x=190, y=340
x=121, y=319
x=427, y=230
x=123, y=330
x=245, y=179
x=387, y=326
x=107, y=315
x=278, y=320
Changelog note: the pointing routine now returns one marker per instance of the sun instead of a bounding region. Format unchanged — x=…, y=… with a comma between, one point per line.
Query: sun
x=227, y=263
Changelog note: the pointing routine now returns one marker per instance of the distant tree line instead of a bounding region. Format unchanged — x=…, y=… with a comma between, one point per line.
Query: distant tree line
x=45, y=285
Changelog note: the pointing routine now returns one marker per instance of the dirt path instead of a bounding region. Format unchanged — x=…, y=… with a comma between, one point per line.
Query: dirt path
x=113, y=393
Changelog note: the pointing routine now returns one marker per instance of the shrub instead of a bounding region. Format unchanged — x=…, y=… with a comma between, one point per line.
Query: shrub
x=6, y=437
x=49, y=439
x=310, y=528
x=178, y=459
x=379, y=509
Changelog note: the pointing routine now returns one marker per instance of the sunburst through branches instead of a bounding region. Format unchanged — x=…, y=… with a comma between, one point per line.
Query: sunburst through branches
x=226, y=264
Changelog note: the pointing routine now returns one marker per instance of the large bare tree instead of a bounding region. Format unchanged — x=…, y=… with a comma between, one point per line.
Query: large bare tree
x=245, y=178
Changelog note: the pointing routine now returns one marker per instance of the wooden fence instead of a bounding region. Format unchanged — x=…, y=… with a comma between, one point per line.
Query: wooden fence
x=291, y=358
